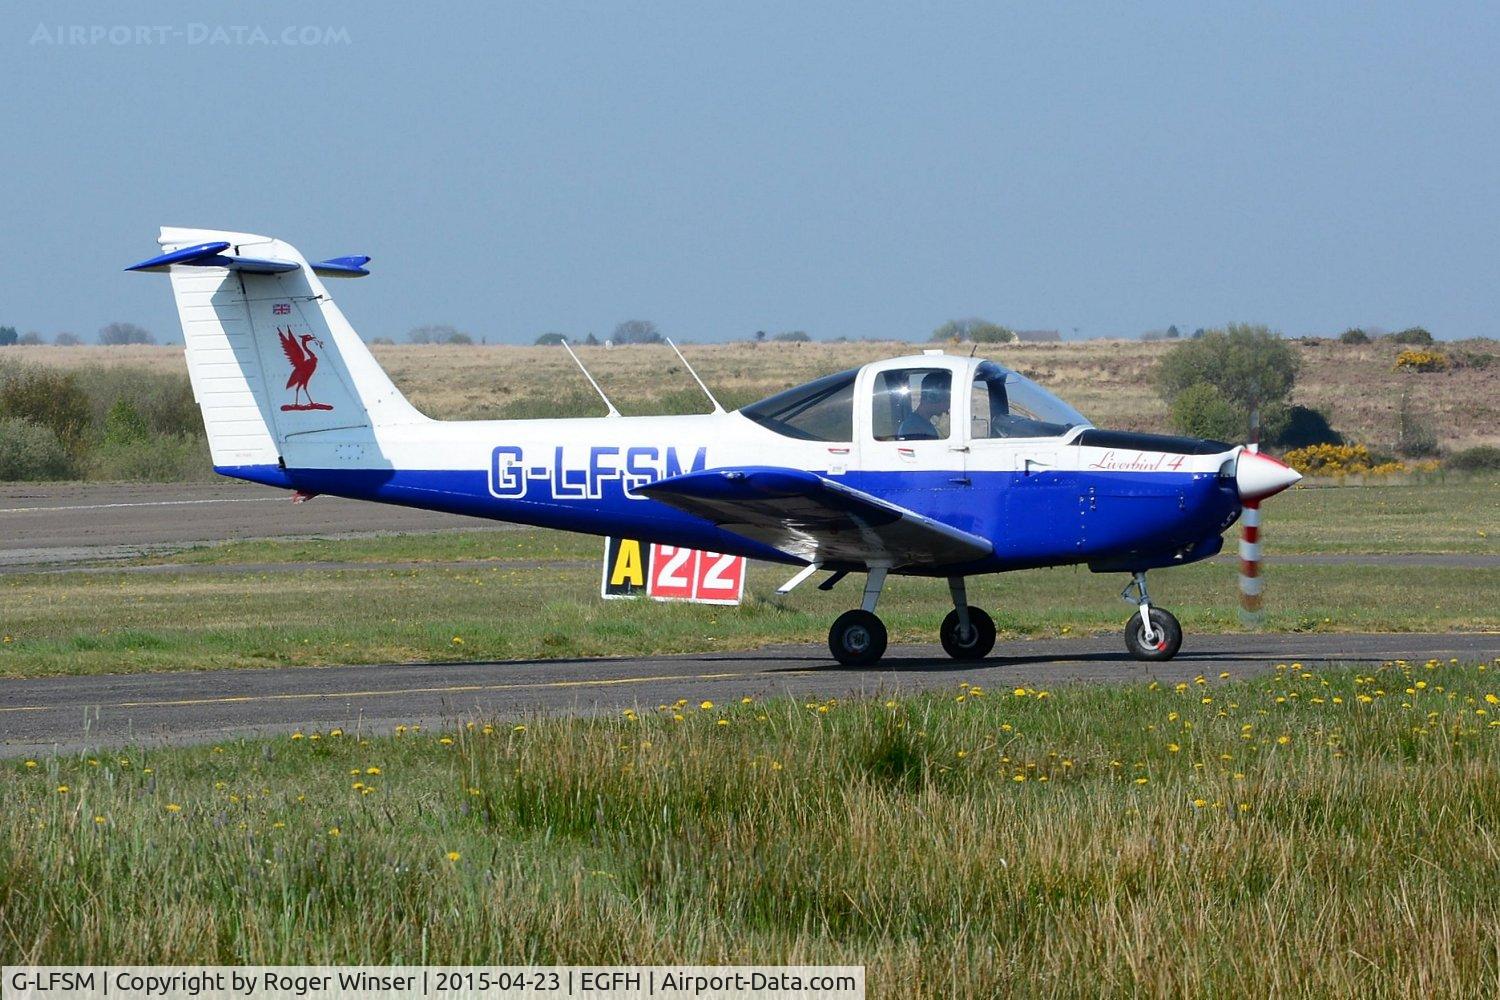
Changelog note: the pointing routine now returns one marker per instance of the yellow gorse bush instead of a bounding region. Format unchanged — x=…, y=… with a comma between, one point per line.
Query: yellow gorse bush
x=1415, y=360
x=1346, y=460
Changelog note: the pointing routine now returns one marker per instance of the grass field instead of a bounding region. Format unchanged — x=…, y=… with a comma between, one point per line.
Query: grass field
x=1110, y=381
x=531, y=593
x=1301, y=834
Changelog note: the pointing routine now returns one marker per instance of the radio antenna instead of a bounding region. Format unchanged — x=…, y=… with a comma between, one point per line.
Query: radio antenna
x=711, y=399
x=612, y=411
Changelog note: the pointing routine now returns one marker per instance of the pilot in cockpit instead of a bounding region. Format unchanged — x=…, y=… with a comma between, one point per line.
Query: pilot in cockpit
x=932, y=404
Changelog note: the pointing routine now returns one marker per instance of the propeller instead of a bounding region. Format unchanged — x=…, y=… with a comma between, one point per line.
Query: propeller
x=1256, y=477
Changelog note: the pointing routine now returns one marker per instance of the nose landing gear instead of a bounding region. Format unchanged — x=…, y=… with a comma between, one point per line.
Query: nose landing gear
x=1152, y=633
x=968, y=633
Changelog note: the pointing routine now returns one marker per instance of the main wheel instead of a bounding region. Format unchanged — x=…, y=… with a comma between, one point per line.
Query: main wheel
x=857, y=638
x=1167, y=634
x=976, y=641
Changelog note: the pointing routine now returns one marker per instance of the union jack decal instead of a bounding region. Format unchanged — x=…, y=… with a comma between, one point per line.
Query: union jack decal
x=281, y=309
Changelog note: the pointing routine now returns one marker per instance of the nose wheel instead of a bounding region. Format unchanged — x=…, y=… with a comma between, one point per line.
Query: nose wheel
x=973, y=642
x=1152, y=633
x=967, y=633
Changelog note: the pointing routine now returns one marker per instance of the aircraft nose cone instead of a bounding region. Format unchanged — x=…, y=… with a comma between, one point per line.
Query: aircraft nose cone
x=1259, y=476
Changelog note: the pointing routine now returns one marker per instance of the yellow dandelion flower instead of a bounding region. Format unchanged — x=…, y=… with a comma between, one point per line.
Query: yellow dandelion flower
x=454, y=855
x=173, y=807
x=518, y=729
x=1223, y=675
x=99, y=820
x=298, y=736
x=1019, y=692
x=458, y=640
x=32, y=763
x=1244, y=807
x=1283, y=739
x=62, y=789
x=278, y=825
x=706, y=705
x=1141, y=780
x=1173, y=748
x=333, y=831
x=776, y=765
x=723, y=722
x=335, y=732
x=372, y=770
x=1199, y=803
x=1489, y=700
x=446, y=741
x=400, y=730
x=1019, y=778
x=746, y=700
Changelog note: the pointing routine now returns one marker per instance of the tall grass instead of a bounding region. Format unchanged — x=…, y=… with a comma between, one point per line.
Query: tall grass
x=1303, y=834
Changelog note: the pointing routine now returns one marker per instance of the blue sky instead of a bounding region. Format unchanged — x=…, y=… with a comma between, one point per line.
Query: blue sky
x=859, y=170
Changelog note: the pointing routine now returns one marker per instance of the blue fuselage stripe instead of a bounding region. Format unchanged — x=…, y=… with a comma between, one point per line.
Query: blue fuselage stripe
x=1038, y=519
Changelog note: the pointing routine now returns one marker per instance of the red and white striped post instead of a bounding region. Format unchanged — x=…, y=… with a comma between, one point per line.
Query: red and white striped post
x=1250, y=582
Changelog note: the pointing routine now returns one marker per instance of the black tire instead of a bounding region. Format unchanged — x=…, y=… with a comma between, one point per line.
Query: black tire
x=979, y=642
x=857, y=638
x=1168, y=636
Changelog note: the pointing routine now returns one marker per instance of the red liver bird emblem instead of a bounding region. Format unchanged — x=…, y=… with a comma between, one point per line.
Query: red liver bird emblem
x=304, y=363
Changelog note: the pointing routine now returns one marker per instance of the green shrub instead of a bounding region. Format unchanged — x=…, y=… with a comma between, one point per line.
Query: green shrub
x=1201, y=411
x=124, y=424
x=48, y=398
x=154, y=458
x=1243, y=366
x=1354, y=335
x=1412, y=335
x=164, y=400
x=1483, y=458
x=31, y=451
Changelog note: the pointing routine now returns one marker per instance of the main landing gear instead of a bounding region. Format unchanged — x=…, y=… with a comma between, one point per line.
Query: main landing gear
x=858, y=638
x=1152, y=633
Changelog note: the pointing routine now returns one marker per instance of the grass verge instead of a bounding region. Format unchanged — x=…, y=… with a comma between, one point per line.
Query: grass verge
x=1302, y=833
x=76, y=623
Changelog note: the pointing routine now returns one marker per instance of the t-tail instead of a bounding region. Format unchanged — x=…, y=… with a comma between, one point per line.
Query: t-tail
x=282, y=378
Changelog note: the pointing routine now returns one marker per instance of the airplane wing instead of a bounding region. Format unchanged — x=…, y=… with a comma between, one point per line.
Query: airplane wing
x=816, y=519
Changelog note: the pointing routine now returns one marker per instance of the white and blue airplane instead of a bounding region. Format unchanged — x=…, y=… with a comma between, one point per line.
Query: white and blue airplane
x=928, y=465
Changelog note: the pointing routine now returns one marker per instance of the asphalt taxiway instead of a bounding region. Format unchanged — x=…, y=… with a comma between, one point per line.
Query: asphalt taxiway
x=74, y=712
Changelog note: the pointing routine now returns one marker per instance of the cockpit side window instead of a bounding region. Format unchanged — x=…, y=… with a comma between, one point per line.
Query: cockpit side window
x=1007, y=405
x=821, y=410
x=912, y=404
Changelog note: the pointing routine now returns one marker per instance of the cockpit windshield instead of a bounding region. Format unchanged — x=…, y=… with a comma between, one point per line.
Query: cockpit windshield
x=821, y=410
x=1008, y=405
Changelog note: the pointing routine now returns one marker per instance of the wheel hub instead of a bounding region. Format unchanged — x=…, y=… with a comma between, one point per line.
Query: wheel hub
x=857, y=639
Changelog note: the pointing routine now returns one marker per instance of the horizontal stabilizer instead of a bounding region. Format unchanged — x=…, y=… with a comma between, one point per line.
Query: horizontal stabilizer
x=352, y=266
x=816, y=519
x=212, y=255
